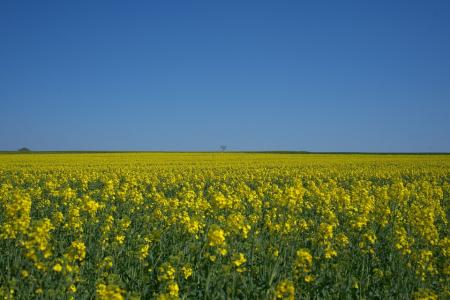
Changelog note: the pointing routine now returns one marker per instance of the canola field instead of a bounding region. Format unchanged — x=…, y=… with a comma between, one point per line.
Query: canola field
x=224, y=226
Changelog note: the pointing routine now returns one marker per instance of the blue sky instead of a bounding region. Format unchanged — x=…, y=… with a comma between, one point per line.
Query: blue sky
x=254, y=75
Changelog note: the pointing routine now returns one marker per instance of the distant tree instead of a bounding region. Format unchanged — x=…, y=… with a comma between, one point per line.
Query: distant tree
x=24, y=149
x=223, y=148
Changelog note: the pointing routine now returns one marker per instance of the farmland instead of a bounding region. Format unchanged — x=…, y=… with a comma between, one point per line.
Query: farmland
x=224, y=225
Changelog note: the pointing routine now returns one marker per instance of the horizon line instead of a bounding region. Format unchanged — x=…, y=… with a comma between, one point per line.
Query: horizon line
x=219, y=151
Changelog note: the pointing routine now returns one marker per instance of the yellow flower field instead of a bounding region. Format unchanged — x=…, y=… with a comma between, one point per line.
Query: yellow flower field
x=224, y=225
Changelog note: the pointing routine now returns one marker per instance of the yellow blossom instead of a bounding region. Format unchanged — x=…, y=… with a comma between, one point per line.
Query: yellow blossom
x=57, y=268
x=186, y=271
x=216, y=237
x=285, y=290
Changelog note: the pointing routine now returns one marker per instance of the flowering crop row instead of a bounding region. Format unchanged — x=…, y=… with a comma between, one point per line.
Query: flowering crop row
x=224, y=225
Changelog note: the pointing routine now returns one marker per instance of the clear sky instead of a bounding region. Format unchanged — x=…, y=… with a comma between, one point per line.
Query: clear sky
x=254, y=75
